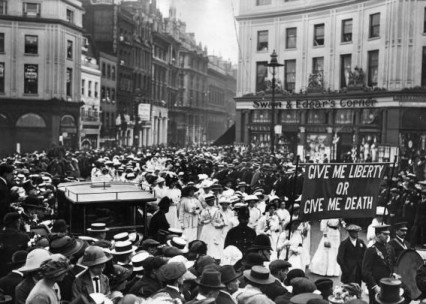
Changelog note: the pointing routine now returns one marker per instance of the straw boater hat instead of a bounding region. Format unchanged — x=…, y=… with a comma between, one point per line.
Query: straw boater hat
x=123, y=247
x=94, y=255
x=178, y=243
x=137, y=260
x=98, y=227
x=121, y=237
x=175, y=231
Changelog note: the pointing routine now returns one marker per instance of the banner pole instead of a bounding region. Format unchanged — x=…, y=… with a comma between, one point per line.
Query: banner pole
x=293, y=198
x=386, y=212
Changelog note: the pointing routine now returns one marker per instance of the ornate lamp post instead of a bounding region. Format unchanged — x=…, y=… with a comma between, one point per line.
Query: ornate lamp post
x=273, y=64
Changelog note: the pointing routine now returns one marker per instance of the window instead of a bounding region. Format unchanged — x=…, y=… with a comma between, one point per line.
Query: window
x=69, y=49
x=318, y=34
x=1, y=42
x=373, y=68
x=102, y=93
x=318, y=65
x=89, y=89
x=113, y=72
x=263, y=2
x=103, y=69
x=347, y=30
x=69, y=82
x=31, y=9
x=345, y=69
x=96, y=89
x=261, y=74
x=262, y=40
x=290, y=75
x=108, y=71
x=3, y=7
x=1, y=77
x=30, y=78
x=31, y=44
x=291, y=38
x=424, y=67
x=83, y=84
x=70, y=16
x=424, y=22
x=112, y=94
x=375, y=25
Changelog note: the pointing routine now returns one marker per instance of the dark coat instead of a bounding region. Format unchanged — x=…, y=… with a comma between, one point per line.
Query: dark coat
x=23, y=290
x=158, y=221
x=9, y=282
x=350, y=260
x=377, y=264
x=421, y=281
x=145, y=287
x=241, y=237
x=4, y=199
x=11, y=240
x=398, y=247
x=274, y=290
x=84, y=285
x=225, y=298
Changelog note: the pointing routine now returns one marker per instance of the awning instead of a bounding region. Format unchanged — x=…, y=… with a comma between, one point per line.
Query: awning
x=228, y=138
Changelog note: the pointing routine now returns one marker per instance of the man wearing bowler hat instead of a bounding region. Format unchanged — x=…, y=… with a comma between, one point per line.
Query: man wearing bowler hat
x=399, y=243
x=378, y=261
x=93, y=280
x=209, y=285
x=349, y=256
x=230, y=279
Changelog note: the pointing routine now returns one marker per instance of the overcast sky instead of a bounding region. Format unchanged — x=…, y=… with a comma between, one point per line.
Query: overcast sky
x=212, y=21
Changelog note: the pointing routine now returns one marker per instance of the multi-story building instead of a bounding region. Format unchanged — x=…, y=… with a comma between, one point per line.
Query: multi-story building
x=220, y=106
x=40, y=44
x=350, y=85
x=90, y=122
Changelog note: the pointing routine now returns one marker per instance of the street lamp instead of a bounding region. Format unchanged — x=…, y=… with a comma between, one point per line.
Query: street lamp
x=273, y=64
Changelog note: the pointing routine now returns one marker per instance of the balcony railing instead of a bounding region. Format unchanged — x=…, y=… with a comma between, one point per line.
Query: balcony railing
x=89, y=115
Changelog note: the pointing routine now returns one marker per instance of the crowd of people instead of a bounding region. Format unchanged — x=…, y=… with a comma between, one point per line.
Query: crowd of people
x=224, y=228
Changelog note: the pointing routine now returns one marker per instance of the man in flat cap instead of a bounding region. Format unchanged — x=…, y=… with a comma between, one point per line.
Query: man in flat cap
x=399, y=243
x=350, y=254
x=378, y=261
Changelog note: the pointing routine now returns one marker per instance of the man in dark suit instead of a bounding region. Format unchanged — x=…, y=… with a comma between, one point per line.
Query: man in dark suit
x=279, y=270
x=6, y=178
x=170, y=274
x=230, y=279
x=378, y=261
x=399, y=243
x=159, y=220
x=9, y=282
x=350, y=255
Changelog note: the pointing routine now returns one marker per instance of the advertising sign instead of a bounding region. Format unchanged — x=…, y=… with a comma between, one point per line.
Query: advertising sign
x=341, y=190
x=144, y=111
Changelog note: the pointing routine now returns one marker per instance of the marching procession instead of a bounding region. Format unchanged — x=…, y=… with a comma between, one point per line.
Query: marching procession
x=225, y=225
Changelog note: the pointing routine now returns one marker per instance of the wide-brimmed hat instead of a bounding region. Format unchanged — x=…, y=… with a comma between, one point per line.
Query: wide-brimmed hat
x=353, y=227
x=137, y=260
x=98, y=227
x=252, y=197
x=390, y=292
x=66, y=245
x=56, y=266
x=224, y=200
x=172, y=271
x=34, y=259
x=179, y=243
x=259, y=275
x=124, y=247
x=94, y=255
x=210, y=279
x=242, y=184
x=229, y=274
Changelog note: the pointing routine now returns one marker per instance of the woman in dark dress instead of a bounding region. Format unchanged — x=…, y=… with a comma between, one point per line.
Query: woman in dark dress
x=159, y=220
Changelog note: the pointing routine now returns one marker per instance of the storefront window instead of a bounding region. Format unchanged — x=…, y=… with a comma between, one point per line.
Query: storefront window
x=344, y=117
x=317, y=147
x=370, y=116
x=261, y=75
x=290, y=117
x=316, y=117
x=261, y=116
x=368, y=149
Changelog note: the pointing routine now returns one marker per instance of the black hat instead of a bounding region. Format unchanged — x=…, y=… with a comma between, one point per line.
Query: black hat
x=325, y=285
x=243, y=212
x=10, y=218
x=253, y=259
x=261, y=242
x=401, y=225
x=382, y=228
x=294, y=273
x=151, y=263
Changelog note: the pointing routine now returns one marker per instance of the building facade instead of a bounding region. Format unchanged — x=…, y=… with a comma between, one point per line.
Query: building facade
x=351, y=85
x=39, y=73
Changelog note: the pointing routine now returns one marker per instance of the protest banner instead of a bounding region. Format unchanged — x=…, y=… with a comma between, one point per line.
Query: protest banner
x=341, y=190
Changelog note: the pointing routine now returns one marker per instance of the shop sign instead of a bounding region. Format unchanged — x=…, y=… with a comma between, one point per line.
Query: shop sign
x=341, y=190
x=31, y=72
x=317, y=104
x=144, y=111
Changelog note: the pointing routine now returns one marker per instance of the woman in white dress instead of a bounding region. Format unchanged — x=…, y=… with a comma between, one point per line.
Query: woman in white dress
x=294, y=246
x=222, y=221
x=324, y=260
x=174, y=194
x=189, y=213
x=269, y=224
x=206, y=222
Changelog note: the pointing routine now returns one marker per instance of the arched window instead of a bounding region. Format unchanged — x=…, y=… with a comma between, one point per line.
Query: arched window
x=67, y=121
x=31, y=120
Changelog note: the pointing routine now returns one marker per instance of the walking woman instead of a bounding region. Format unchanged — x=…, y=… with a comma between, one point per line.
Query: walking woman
x=189, y=213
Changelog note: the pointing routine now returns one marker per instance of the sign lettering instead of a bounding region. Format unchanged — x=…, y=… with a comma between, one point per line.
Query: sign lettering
x=317, y=104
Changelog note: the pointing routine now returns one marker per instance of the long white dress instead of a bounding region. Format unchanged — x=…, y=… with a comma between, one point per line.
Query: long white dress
x=208, y=231
x=324, y=260
x=305, y=229
x=189, y=212
x=295, y=250
x=222, y=221
x=172, y=216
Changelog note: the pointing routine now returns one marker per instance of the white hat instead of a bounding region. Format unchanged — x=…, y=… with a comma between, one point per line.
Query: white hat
x=138, y=258
x=205, y=183
x=121, y=237
x=178, y=243
x=224, y=200
x=251, y=197
x=34, y=259
x=123, y=248
x=380, y=210
x=231, y=255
